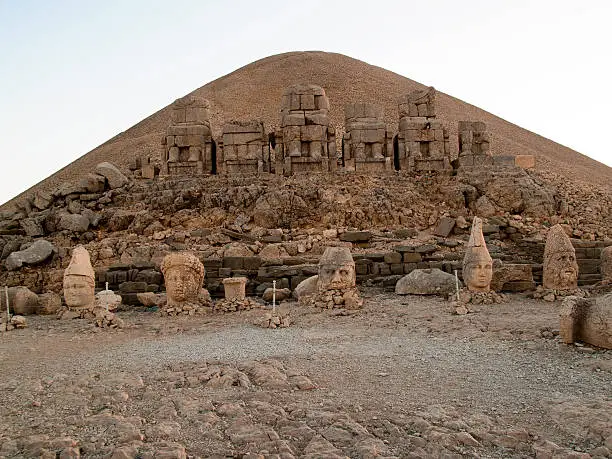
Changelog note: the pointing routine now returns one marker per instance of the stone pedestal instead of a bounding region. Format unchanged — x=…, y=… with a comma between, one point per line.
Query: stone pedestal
x=235, y=288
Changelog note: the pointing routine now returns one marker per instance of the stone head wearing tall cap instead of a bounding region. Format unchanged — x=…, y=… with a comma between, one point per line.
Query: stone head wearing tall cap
x=477, y=263
x=336, y=269
x=560, y=266
x=79, y=280
x=184, y=274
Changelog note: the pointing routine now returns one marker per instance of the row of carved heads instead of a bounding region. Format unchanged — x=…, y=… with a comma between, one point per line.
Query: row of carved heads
x=184, y=272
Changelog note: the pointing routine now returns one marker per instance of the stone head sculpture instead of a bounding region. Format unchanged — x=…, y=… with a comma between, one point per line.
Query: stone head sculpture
x=183, y=273
x=560, y=266
x=477, y=263
x=79, y=280
x=336, y=269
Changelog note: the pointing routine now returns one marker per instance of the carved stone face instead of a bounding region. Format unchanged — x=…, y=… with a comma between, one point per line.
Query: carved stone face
x=477, y=276
x=336, y=269
x=561, y=271
x=560, y=266
x=182, y=284
x=78, y=291
x=336, y=276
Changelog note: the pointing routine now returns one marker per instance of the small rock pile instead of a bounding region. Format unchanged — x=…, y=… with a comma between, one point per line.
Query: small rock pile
x=275, y=320
x=107, y=319
x=99, y=316
x=490, y=297
x=186, y=309
x=551, y=295
x=236, y=304
x=13, y=323
x=334, y=298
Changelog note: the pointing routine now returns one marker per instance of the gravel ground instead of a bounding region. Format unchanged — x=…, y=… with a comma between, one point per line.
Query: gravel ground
x=404, y=377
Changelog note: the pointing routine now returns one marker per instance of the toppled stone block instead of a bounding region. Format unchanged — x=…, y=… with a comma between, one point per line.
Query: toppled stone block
x=445, y=227
x=114, y=176
x=588, y=320
x=356, y=236
x=525, y=161
x=427, y=282
x=38, y=252
x=73, y=222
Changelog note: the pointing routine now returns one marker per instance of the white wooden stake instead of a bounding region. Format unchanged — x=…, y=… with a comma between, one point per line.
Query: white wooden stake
x=457, y=285
x=273, y=297
x=8, y=311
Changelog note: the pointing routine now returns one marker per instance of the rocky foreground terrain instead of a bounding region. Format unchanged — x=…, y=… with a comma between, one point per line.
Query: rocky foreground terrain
x=404, y=377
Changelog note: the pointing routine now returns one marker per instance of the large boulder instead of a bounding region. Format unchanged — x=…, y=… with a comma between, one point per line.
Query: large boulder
x=114, y=176
x=22, y=301
x=38, y=252
x=426, y=282
x=306, y=287
x=93, y=183
x=73, y=222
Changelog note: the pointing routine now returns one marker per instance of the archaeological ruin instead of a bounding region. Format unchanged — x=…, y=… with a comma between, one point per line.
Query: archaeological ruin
x=310, y=270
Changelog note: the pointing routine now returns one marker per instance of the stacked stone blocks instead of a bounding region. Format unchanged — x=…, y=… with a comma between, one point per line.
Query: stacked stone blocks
x=188, y=147
x=366, y=145
x=244, y=148
x=305, y=142
x=423, y=141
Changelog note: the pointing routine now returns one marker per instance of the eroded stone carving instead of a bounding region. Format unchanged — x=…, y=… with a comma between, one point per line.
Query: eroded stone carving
x=183, y=275
x=588, y=320
x=188, y=146
x=305, y=142
x=336, y=281
x=560, y=266
x=366, y=145
x=477, y=263
x=244, y=149
x=423, y=143
x=79, y=280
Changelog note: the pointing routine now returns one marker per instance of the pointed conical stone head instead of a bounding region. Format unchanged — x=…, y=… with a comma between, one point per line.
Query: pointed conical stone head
x=477, y=263
x=79, y=280
x=560, y=266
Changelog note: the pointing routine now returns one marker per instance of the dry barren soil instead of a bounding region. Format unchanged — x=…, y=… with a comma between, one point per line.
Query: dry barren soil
x=403, y=377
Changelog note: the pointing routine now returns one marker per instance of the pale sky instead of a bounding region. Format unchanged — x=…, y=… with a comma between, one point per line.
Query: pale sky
x=75, y=73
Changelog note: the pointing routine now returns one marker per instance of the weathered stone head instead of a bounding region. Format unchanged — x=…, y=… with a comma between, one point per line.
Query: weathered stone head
x=336, y=269
x=477, y=263
x=183, y=273
x=560, y=267
x=79, y=280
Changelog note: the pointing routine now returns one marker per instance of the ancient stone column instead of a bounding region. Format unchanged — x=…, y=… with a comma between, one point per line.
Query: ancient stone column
x=560, y=266
x=183, y=274
x=477, y=263
x=79, y=280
